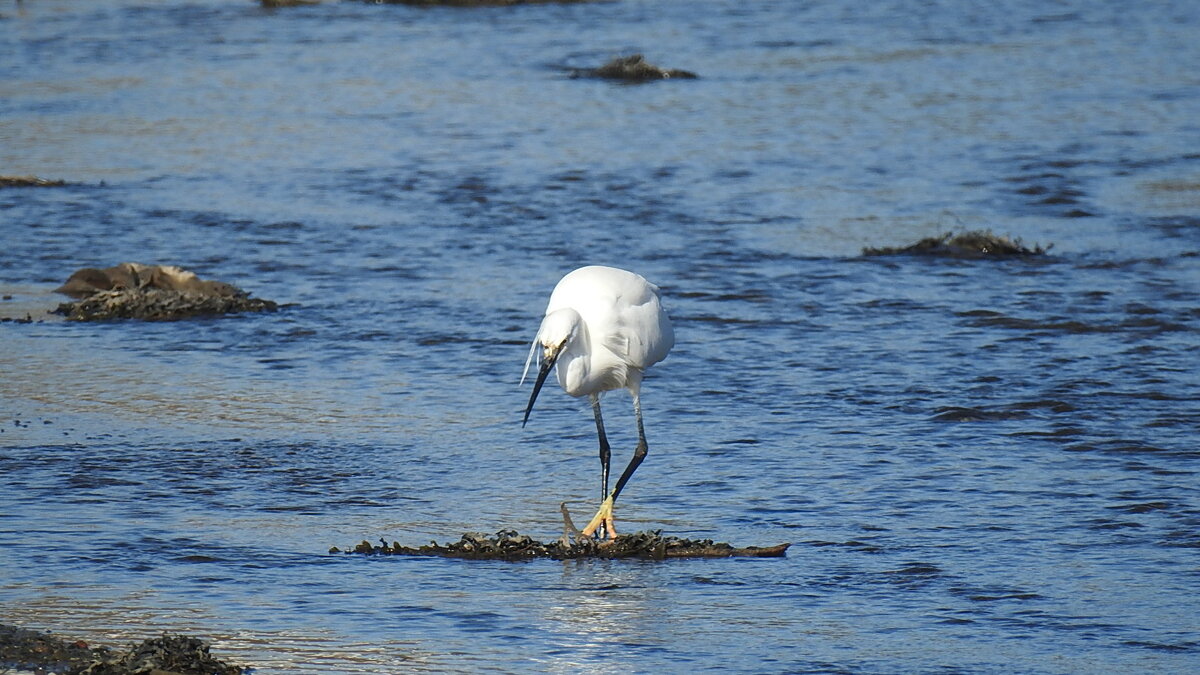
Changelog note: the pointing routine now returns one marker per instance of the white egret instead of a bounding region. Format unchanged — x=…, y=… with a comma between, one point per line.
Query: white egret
x=603, y=328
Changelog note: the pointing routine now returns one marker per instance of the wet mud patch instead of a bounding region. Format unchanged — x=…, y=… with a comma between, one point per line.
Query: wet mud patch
x=510, y=545
x=32, y=651
x=151, y=293
x=971, y=244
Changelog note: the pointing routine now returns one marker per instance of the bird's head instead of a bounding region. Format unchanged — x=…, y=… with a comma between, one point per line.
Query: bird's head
x=558, y=329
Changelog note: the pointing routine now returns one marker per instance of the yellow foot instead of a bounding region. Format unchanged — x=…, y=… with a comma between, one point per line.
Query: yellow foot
x=603, y=517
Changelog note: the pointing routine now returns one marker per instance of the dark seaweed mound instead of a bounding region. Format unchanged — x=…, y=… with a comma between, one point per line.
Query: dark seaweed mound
x=973, y=244
x=170, y=653
x=158, y=305
x=29, y=181
x=633, y=68
x=43, y=653
x=510, y=545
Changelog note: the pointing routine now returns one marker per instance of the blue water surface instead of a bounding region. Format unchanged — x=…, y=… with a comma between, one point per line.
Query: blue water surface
x=982, y=465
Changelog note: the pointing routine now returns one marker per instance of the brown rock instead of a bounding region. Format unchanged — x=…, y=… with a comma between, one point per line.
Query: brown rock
x=151, y=292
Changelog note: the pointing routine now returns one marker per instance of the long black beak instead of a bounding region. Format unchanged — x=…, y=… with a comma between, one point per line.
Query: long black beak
x=547, y=366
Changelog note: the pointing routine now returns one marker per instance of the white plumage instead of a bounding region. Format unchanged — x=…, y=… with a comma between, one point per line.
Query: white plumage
x=619, y=324
x=602, y=329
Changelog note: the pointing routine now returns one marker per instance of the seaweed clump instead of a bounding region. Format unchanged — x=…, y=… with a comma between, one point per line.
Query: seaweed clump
x=510, y=545
x=29, y=181
x=634, y=69
x=151, y=293
x=24, y=649
x=972, y=244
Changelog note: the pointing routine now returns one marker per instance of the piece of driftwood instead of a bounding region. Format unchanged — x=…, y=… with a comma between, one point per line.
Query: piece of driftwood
x=151, y=293
x=633, y=68
x=510, y=545
x=973, y=244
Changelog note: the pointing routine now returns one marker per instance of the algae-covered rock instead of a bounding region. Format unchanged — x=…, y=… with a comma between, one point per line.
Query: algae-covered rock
x=29, y=181
x=167, y=654
x=136, y=276
x=151, y=293
x=31, y=651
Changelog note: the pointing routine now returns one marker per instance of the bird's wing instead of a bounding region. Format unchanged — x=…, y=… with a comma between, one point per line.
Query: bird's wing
x=643, y=334
x=622, y=311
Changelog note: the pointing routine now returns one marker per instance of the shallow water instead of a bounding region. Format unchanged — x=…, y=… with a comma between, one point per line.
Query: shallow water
x=984, y=466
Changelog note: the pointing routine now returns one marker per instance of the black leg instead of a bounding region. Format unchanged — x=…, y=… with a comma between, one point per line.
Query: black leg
x=604, y=450
x=639, y=453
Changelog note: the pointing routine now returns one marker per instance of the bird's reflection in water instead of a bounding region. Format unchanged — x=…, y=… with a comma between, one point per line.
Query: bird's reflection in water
x=605, y=604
